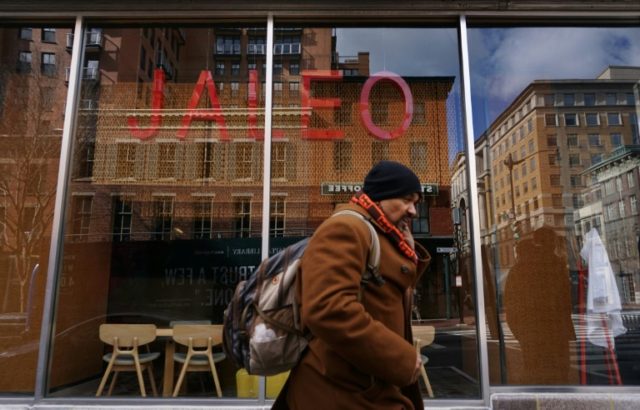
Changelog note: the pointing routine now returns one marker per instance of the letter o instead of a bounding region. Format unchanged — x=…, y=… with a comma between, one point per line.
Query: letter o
x=365, y=113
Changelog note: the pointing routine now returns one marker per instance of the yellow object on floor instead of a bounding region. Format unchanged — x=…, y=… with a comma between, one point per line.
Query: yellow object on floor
x=247, y=385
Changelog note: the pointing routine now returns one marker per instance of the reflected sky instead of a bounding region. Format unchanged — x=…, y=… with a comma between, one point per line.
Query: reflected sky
x=408, y=52
x=504, y=61
x=411, y=52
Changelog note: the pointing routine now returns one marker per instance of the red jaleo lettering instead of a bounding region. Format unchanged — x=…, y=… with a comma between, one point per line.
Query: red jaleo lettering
x=308, y=103
x=157, y=102
x=365, y=113
x=204, y=114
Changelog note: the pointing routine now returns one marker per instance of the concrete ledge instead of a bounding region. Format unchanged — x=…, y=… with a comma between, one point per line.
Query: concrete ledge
x=565, y=401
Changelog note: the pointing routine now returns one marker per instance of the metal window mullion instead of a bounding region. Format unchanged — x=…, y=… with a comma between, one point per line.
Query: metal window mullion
x=47, y=330
x=266, y=171
x=472, y=177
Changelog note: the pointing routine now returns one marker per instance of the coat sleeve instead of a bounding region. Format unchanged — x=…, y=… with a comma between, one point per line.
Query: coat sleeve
x=331, y=270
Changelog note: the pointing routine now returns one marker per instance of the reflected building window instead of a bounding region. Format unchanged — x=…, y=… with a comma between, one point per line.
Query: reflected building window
x=279, y=160
x=592, y=119
x=589, y=99
x=549, y=100
x=571, y=120
x=277, y=88
x=219, y=69
x=81, y=216
x=24, y=62
x=630, y=99
x=379, y=112
x=48, y=64
x=228, y=45
x=342, y=155
x=235, y=88
x=418, y=155
x=569, y=99
x=294, y=89
x=87, y=153
x=342, y=114
x=203, y=218
x=242, y=223
x=594, y=140
x=294, y=68
x=420, y=224
x=122, y=218
x=49, y=35
x=167, y=161
x=616, y=140
x=419, y=115
x=163, y=217
x=243, y=164
x=277, y=216
x=206, y=160
x=256, y=45
x=551, y=120
x=613, y=118
x=379, y=151
x=25, y=33
x=126, y=159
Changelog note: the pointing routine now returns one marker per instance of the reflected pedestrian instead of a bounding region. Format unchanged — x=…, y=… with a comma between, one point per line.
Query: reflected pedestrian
x=537, y=302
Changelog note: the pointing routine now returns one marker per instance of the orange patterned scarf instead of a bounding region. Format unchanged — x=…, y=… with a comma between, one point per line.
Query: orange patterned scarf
x=389, y=229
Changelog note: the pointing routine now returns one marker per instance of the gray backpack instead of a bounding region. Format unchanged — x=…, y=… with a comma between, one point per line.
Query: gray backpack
x=262, y=330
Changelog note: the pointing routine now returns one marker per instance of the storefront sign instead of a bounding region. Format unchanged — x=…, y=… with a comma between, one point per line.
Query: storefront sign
x=333, y=188
x=215, y=111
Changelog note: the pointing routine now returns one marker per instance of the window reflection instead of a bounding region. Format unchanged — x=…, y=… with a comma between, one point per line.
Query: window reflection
x=542, y=239
x=32, y=95
x=335, y=128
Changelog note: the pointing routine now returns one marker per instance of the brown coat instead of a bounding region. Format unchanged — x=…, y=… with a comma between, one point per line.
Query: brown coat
x=361, y=355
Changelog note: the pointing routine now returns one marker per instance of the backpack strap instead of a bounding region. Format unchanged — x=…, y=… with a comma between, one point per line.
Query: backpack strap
x=372, y=271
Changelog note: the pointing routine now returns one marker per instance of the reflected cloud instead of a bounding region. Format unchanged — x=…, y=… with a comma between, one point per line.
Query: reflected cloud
x=505, y=61
x=407, y=52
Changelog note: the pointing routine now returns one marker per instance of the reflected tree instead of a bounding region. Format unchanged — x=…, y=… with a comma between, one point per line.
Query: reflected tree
x=29, y=151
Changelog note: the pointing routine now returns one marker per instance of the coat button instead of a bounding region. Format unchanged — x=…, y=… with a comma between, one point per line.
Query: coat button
x=404, y=269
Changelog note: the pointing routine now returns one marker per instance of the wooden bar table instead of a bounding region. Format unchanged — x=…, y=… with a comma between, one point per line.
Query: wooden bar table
x=169, y=350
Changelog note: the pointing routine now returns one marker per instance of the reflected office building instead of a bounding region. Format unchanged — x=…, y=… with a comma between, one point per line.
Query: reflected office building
x=561, y=159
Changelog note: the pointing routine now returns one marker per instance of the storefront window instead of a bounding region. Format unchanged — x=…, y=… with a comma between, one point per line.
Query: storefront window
x=31, y=119
x=356, y=105
x=561, y=278
x=164, y=207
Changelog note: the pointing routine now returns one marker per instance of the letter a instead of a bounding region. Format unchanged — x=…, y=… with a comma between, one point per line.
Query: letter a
x=203, y=114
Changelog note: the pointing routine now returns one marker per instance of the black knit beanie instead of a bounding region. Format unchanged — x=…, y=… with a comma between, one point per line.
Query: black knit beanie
x=389, y=179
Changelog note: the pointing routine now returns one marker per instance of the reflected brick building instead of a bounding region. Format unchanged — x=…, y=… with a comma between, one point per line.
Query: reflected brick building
x=199, y=174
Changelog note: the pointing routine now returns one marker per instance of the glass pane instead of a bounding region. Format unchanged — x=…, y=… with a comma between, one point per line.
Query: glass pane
x=345, y=98
x=164, y=205
x=560, y=242
x=32, y=95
